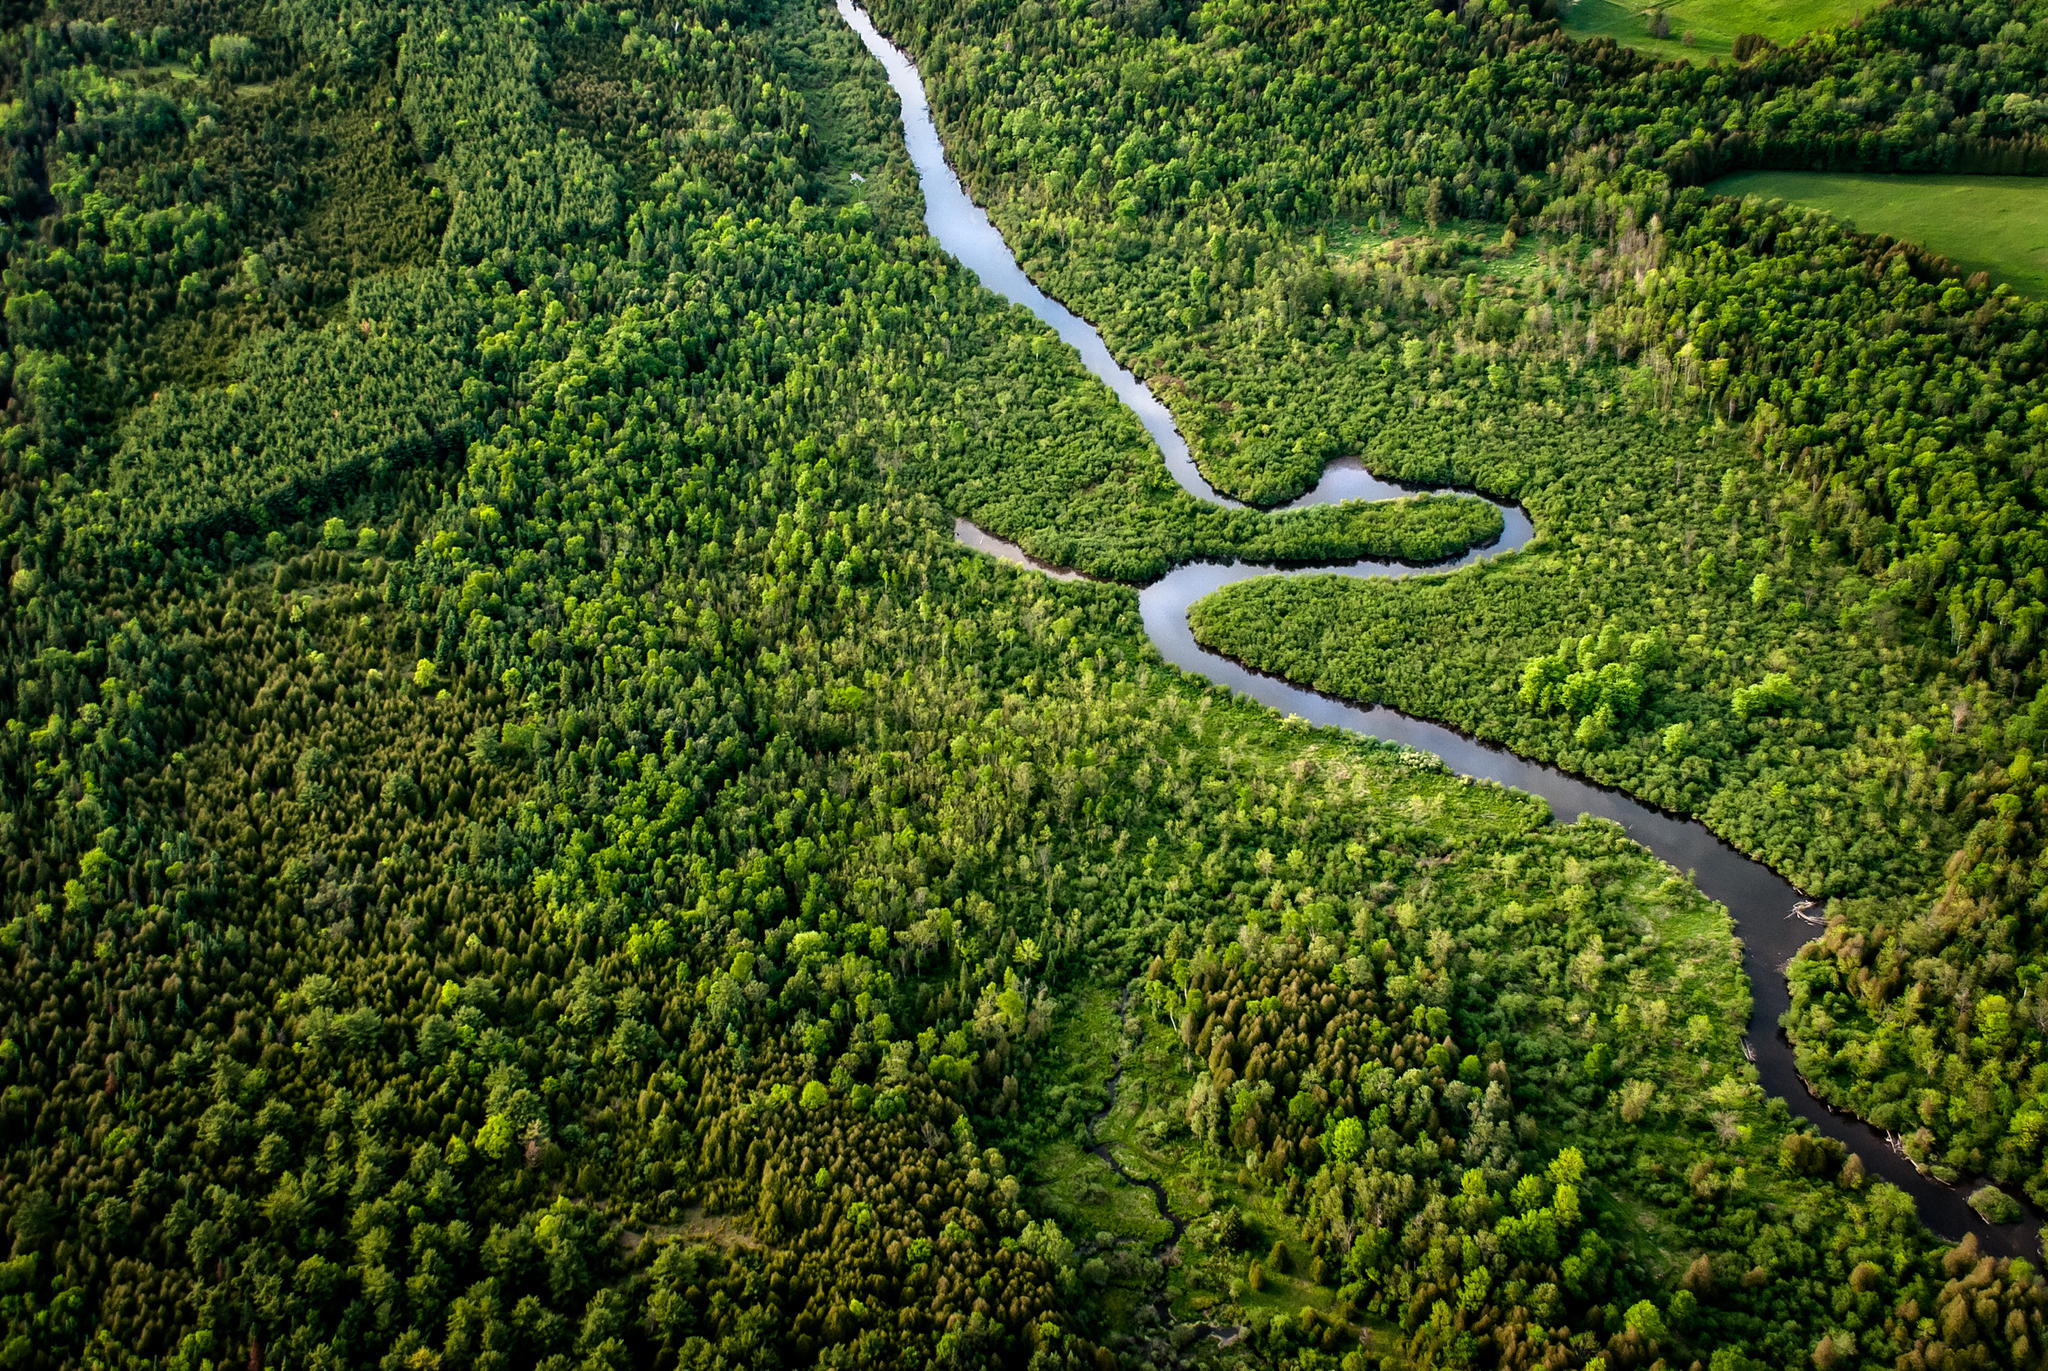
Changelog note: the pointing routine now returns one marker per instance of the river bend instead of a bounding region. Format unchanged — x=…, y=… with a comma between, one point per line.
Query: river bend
x=1772, y=917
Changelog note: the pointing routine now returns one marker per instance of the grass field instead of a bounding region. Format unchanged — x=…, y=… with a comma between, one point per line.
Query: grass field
x=1713, y=24
x=1997, y=224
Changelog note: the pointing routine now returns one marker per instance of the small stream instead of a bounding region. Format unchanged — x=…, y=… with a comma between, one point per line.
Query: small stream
x=1773, y=918
x=1166, y=1253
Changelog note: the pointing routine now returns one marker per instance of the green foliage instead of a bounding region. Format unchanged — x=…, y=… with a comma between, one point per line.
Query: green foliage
x=527, y=844
x=1995, y=1205
x=1603, y=675
x=1343, y=1140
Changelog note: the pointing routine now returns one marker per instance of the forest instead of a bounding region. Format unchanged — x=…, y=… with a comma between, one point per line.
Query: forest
x=528, y=844
x=1795, y=468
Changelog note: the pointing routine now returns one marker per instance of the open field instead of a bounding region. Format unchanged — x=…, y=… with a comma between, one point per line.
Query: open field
x=1997, y=224
x=1713, y=24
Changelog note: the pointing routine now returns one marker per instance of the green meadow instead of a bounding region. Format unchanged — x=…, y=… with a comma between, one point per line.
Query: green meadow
x=1997, y=224
x=1713, y=24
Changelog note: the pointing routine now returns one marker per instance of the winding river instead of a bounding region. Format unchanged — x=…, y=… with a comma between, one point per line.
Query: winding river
x=1772, y=917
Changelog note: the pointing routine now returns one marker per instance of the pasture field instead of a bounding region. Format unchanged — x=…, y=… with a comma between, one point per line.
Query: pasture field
x=1713, y=24
x=1997, y=224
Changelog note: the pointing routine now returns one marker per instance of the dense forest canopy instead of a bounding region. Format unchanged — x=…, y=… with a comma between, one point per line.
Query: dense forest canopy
x=527, y=844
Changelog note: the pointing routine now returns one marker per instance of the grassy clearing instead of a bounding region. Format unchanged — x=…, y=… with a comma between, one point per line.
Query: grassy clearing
x=1148, y=1129
x=1455, y=245
x=1996, y=224
x=1713, y=24
x=1092, y=1204
x=1114, y=1224
x=1118, y=1223
x=155, y=75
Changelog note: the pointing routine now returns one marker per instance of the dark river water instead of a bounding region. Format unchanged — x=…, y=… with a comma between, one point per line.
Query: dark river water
x=1769, y=913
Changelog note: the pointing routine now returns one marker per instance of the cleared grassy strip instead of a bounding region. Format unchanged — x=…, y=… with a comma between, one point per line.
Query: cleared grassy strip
x=1713, y=24
x=1997, y=224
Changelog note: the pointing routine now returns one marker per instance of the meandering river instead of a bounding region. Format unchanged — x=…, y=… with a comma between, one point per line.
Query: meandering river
x=1772, y=917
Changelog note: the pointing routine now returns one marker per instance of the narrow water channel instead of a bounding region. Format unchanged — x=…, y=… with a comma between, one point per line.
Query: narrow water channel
x=1769, y=914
